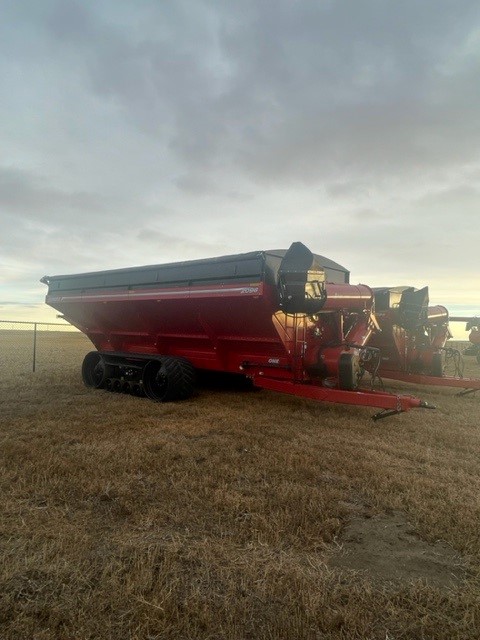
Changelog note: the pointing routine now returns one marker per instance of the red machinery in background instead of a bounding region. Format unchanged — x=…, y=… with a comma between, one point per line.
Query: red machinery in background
x=288, y=320
x=472, y=325
x=412, y=341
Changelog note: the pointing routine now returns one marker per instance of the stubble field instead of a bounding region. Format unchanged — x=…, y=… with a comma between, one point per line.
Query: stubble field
x=234, y=515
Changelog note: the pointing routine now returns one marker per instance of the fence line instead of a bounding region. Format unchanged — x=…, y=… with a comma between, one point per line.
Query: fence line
x=32, y=322
x=20, y=340
x=57, y=346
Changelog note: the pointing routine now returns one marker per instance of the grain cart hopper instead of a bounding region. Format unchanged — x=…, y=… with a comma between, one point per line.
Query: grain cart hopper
x=411, y=344
x=473, y=325
x=288, y=320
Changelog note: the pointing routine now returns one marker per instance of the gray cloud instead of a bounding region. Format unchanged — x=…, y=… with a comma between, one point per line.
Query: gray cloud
x=296, y=93
x=25, y=193
x=150, y=132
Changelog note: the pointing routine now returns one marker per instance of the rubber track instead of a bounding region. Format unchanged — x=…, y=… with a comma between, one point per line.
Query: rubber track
x=181, y=378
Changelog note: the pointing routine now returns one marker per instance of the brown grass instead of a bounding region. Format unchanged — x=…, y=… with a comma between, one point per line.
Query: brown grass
x=217, y=517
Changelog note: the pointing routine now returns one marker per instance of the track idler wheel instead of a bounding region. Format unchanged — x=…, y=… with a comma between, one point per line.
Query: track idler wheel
x=94, y=370
x=168, y=379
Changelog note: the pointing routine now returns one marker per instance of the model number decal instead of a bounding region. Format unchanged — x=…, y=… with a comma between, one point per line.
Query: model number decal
x=249, y=290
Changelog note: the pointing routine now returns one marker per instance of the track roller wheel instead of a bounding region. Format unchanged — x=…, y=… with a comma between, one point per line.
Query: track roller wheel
x=137, y=390
x=168, y=379
x=94, y=370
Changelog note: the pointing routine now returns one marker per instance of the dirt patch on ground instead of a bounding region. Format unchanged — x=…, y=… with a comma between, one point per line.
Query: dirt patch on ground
x=386, y=547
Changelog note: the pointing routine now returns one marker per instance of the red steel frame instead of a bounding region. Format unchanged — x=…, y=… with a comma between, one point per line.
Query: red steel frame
x=469, y=385
x=390, y=403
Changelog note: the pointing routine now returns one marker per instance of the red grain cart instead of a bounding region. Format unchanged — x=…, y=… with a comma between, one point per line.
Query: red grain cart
x=412, y=341
x=288, y=320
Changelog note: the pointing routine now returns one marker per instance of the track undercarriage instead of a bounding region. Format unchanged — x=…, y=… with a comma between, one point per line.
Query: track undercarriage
x=160, y=378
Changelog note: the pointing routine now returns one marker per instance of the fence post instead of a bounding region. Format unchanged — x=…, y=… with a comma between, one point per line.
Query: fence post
x=34, y=344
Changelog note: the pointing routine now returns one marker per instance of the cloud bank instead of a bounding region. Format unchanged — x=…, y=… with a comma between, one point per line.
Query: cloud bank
x=135, y=133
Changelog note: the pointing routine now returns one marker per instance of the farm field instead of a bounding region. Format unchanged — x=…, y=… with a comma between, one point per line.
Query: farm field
x=53, y=350
x=234, y=515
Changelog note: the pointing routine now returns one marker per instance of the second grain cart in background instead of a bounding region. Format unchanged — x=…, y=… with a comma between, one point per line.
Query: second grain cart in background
x=412, y=344
x=289, y=320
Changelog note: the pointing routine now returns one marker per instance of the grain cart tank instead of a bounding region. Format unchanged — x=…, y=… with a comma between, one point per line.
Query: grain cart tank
x=412, y=342
x=288, y=320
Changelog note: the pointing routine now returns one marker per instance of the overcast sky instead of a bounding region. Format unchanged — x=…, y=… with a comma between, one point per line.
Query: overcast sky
x=149, y=131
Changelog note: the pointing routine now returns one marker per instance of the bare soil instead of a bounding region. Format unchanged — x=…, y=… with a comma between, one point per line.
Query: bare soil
x=386, y=548
x=233, y=515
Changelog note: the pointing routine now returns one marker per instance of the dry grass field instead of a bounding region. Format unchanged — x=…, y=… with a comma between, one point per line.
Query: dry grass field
x=233, y=515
